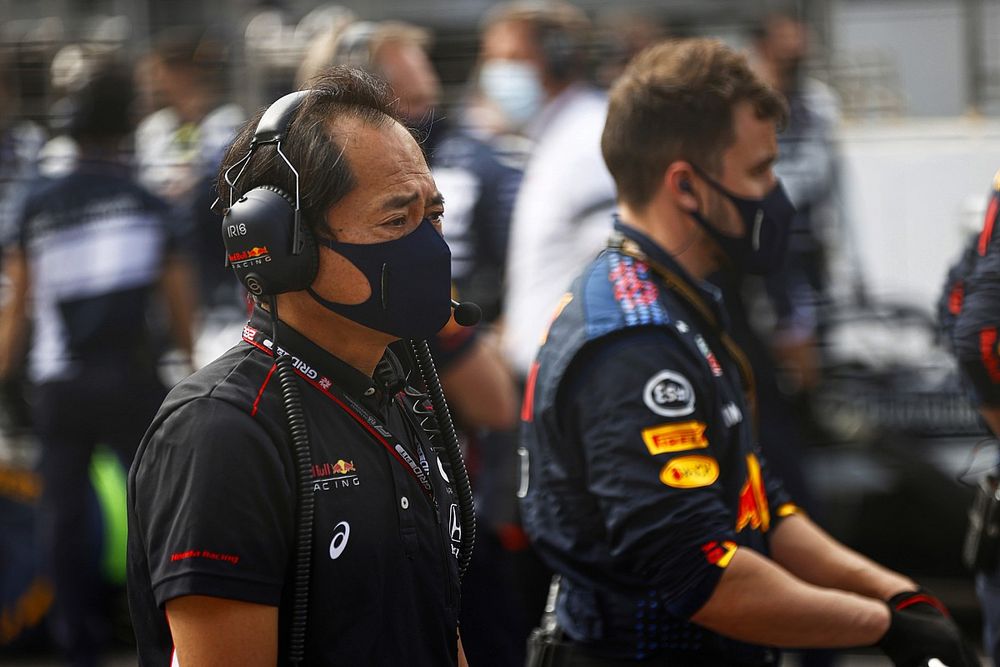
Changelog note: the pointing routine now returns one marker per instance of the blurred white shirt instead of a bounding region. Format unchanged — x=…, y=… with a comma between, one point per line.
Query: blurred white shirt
x=562, y=217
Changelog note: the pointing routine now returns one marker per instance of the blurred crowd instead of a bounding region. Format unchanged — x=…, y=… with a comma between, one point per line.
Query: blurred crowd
x=119, y=285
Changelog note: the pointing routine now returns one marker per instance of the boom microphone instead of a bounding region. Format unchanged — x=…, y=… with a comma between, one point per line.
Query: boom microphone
x=467, y=314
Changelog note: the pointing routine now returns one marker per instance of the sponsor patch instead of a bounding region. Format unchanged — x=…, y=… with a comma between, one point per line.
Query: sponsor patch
x=753, y=509
x=675, y=437
x=719, y=553
x=341, y=534
x=731, y=414
x=669, y=394
x=706, y=352
x=454, y=529
x=690, y=472
x=340, y=475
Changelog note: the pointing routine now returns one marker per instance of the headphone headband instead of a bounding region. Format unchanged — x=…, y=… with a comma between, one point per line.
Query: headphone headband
x=274, y=123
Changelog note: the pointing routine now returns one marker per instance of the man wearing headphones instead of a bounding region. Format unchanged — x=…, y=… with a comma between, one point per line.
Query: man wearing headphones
x=216, y=546
x=646, y=490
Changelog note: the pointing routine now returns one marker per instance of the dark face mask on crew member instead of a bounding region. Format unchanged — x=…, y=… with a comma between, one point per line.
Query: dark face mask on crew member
x=410, y=280
x=767, y=223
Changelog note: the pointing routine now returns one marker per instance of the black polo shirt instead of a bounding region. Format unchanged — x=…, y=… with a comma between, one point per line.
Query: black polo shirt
x=211, y=501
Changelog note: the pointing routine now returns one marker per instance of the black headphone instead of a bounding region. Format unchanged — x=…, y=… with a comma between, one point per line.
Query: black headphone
x=560, y=49
x=354, y=45
x=267, y=244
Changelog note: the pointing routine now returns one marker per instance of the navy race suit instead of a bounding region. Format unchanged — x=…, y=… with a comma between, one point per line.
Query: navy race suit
x=970, y=309
x=643, y=475
x=211, y=501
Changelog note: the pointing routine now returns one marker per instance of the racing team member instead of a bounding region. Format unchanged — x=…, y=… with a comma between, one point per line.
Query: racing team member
x=212, y=489
x=93, y=254
x=970, y=314
x=646, y=490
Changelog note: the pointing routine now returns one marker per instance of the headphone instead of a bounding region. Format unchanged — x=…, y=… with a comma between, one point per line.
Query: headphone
x=354, y=45
x=560, y=49
x=267, y=245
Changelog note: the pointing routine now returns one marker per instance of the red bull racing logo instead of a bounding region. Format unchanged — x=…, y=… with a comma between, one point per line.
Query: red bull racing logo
x=339, y=475
x=753, y=510
x=253, y=256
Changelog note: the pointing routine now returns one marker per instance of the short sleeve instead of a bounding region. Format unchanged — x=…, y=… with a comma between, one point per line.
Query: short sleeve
x=214, y=506
x=640, y=409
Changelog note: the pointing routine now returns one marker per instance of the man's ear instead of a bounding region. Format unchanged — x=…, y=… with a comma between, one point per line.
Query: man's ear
x=678, y=180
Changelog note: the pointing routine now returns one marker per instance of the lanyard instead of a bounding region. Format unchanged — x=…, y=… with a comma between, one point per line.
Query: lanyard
x=620, y=243
x=371, y=424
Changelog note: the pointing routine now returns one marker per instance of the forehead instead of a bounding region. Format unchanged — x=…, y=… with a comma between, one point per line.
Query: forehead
x=754, y=138
x=382, y=157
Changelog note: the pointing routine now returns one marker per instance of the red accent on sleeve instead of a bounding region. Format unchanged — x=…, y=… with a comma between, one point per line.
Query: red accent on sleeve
x=988, y=353
x=987, y=234
x=528, y=407
x=956, y=298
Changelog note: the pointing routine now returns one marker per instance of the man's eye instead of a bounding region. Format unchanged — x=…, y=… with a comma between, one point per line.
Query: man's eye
x=398, y=222
x=436, y=218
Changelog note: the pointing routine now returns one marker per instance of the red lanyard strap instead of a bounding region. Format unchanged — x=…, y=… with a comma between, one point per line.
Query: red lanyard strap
x=369, y=422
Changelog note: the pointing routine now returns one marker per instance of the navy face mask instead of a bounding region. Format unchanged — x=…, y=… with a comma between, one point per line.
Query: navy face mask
x=767, y=223
x=410, y=280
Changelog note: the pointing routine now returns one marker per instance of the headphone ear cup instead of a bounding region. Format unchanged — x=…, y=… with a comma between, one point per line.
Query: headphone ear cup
x=558, y=50
x=258, y=231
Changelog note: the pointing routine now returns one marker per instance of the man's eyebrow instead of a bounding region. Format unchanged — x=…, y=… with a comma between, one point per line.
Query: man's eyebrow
x=403, y=201
x=400, y=201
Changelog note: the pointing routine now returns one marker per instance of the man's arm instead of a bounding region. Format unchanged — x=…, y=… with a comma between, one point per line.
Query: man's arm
x=216, y=631
x=758, y=601
x=991, y=415
x=13, y=315
x=177, y=284
x=809, y=553
x=480, y=389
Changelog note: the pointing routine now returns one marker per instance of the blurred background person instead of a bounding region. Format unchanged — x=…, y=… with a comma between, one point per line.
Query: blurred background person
x=483, y=395
x=180, y=145
x=970, y=318
x=397, y=52
x=94, y=250
x=808, y=163
x=20, y=142
x=533, y=70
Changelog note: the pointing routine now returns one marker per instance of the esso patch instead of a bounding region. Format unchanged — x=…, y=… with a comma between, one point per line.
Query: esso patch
x=669, y=394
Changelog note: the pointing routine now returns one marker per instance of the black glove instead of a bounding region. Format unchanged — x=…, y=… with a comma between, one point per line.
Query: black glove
x=921, y=629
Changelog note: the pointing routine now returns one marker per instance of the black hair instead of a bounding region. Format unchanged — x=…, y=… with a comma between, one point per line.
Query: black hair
x=325, y=177
x=104, y=107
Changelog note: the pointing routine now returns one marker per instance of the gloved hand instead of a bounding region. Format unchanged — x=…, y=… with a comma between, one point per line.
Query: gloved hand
x=921, y=629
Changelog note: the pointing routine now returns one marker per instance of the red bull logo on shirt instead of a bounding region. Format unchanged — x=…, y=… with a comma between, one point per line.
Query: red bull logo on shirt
x=753, y=510
x=339, y=475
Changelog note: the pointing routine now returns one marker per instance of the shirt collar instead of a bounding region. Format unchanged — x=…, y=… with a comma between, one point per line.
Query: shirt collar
x=709, y=293
x=347, y=378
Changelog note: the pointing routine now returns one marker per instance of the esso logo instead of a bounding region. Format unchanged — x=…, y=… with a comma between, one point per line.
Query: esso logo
x=341, y=534
x=669, y=394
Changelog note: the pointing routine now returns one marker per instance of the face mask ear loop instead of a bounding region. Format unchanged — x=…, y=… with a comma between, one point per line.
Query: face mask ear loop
x=384, y=280
x=758, y=222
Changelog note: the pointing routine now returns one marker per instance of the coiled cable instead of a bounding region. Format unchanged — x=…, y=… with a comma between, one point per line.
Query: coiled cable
x=452, y=450
x=291, y=398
